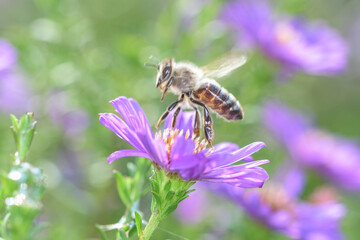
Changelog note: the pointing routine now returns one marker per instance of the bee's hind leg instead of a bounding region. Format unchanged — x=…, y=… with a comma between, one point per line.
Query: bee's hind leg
x=208, y=131
x=168, y=110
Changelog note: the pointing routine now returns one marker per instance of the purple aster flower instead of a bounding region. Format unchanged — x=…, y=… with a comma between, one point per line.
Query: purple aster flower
x=310, y=47
x=8, y=56
x=177, y=151
x=336, y=158
x=195, y=208
x=69, y=119
x=278, y=207
x=14, y=93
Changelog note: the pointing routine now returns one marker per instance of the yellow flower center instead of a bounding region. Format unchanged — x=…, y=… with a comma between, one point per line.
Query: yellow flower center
x=168, y=137
x=276, y=197
x=285, y=34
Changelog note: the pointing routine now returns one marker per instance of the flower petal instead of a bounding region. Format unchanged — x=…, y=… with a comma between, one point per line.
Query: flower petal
x=155, y=148
x=294, y=182
x=222, y=158
x=235, y=170
x=239, y=175
x=253, y=18
x=8, y=56
x=184, y=121
x=288, y=125
x=126, y=153
x=181, y=147
x=132, y=113
x=118, y=126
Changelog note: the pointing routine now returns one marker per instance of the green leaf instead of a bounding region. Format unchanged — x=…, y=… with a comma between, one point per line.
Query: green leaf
x=132, y=232
x=121, y=235
x=169, y=196
x=123, y=189
x=14, y=121
x=190, y=191
x=157, y=198
x=125, y=228
x=182, y=199
x=132, y=169
x=153, y=204
x=167, y=186
x=23, y=130
x=170, y=209
x=138, y=222
x=181, y=193
x=3, y=225
x=102, y=233
x=154, y=186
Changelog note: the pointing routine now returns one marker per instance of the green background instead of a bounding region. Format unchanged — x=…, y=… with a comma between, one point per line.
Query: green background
x=89, y=52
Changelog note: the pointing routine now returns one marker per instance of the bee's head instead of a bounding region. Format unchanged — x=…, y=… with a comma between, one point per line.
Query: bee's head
x=165, y=71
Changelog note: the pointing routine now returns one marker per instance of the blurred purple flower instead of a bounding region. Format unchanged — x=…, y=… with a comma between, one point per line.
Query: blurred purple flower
x=313, y=48
x=334, y=157
x=176, y=151
x=72, y=121
x=14, y=93
x=195, y=208
x=8, y=56
x=278, y=207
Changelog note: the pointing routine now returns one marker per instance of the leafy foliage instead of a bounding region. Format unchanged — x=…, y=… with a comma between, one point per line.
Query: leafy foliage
x=22, y=188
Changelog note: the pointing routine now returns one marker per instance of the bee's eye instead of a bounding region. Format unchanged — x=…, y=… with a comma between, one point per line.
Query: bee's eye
x=166, y=72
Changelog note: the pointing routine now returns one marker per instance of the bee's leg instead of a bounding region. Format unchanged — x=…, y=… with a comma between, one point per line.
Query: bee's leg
x=209, y=133
x=167, y=87
x=175, y=116
x=168, y=110
x=197, y=123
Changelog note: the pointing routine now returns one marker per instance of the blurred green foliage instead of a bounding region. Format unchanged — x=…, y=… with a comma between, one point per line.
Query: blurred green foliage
x=22, y=188
x=93, y=51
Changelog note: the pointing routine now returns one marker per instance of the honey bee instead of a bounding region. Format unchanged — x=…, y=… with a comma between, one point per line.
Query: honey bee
x=196, y=87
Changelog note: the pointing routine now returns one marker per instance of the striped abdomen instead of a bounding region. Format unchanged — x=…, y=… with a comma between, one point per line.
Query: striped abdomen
x=219, y=100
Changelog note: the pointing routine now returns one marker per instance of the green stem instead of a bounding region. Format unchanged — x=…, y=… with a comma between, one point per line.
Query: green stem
x=152, y=225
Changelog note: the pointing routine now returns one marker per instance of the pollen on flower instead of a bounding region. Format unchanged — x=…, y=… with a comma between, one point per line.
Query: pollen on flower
x=276, y=197
x=285, y=34
x=168, y=136
x=187, y=134
x=201, y=145
x=324, y=195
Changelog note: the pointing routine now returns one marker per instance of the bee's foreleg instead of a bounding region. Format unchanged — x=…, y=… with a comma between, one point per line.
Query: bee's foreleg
x=197, y=123
x=168, y=84
x=168, y=110
x=175, y=117
x=208, y=131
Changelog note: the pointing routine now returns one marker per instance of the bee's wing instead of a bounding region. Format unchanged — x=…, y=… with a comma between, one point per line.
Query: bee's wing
x=224, y=65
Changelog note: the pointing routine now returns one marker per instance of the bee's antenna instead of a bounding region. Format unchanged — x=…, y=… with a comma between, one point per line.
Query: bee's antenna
x=154, y=59
x=150, y=65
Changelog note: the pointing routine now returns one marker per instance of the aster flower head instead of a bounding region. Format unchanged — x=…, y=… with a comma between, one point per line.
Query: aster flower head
x=14, y=93
x=313, y=48
x=277, y=206
x=66, y=117
x=336, y=158
x=176, y=151
x=8, y=56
